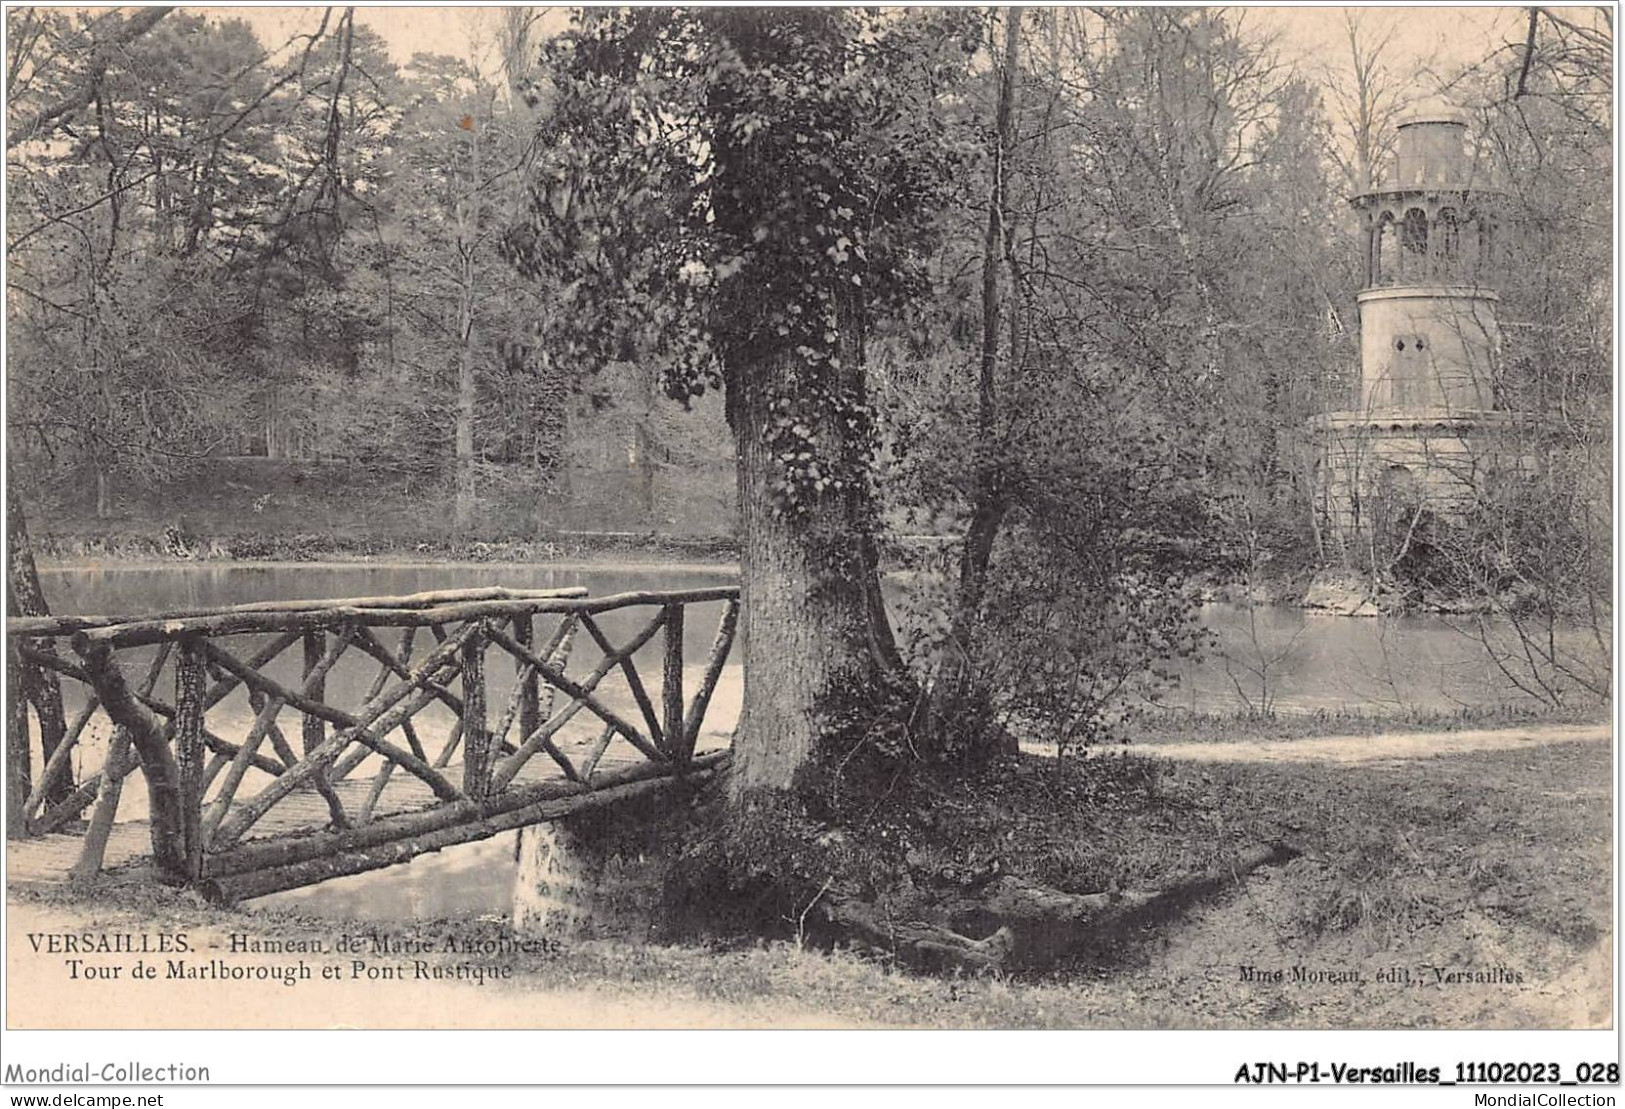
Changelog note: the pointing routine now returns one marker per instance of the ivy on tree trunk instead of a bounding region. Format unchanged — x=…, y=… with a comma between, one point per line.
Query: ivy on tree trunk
x=735, y=196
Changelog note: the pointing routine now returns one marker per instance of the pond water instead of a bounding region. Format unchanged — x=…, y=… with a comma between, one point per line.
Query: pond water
x=1310, y=662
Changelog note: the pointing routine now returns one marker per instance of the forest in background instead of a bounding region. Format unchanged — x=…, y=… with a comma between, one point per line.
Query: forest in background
x=235, y=263
x=224, y=247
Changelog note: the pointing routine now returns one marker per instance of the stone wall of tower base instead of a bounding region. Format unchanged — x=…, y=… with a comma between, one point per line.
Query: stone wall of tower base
x=1445, y=469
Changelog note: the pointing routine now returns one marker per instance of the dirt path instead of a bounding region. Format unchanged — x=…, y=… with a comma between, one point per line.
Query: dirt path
x=1352, y=750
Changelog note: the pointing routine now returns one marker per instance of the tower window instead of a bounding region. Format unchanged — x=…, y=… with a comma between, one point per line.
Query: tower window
x=1413, y=242
x=1399, y=344
x=1449, y=227
x=1384, y=265
x=1421, y=343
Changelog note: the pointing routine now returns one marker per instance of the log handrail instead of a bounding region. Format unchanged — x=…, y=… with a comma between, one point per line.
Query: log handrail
x=149, y=630
x=206, y=793
x=66, y=625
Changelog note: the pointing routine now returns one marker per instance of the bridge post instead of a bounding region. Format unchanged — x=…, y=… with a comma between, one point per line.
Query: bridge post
x=107, y=798
x=314, y=730
x=190, y=679
x=529, y=696
x=671, y=684
x=558, y=875
x=476, y=732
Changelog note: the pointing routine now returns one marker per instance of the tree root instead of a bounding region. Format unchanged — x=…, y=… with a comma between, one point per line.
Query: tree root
x=1028, y=925
x=917, y=942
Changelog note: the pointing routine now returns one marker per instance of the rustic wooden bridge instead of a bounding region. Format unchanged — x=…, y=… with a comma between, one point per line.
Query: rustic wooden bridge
x=394, y=757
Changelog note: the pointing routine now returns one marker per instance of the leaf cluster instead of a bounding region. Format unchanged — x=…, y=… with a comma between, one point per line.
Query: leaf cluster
x=729, y=194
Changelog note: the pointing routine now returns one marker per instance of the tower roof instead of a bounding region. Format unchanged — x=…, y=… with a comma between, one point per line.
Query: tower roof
x=1433, y=109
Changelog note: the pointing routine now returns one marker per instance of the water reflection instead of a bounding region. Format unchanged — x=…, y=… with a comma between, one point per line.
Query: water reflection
x=1311, y=662
x=464, y=882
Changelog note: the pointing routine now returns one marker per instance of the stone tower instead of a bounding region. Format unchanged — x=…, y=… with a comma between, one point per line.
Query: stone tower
x=1425, y=426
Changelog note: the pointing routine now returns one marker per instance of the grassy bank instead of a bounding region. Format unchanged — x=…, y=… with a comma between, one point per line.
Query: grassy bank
x=264, y=509
x=124, y=546
x=1485, y=878
x=1179, y=725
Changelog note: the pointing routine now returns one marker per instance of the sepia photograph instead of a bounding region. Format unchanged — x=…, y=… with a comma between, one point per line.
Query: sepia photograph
x=978, y=518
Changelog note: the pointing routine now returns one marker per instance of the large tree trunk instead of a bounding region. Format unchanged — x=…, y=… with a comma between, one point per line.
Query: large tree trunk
x=812, y=627
x=816, y=644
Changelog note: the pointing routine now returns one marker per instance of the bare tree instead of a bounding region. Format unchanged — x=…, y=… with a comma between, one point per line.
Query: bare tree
x=1365, y=97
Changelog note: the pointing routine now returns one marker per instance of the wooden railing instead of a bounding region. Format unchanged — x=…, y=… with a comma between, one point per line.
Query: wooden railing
x=254, y=809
